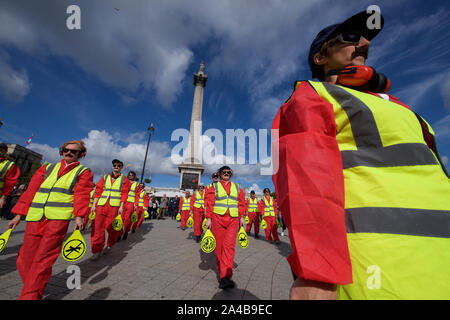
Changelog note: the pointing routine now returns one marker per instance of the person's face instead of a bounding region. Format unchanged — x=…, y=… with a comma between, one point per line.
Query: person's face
x=22, y=187
x=252, y=195
x=341, y=55
x=3, y=152
x=267, y=192
x=131, y=176
x=188, y=194
x=117, y=167
x=225, y=174
x=71, y=152
x=201, y=189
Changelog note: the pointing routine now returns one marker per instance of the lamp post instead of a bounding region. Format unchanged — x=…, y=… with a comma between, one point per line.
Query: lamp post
x=150, y=130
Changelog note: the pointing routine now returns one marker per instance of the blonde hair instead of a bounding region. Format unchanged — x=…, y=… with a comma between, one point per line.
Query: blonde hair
x=79, y=143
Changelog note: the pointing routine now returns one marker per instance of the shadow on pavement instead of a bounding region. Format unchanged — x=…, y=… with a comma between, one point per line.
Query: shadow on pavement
x=89, y=267
x=234, y=294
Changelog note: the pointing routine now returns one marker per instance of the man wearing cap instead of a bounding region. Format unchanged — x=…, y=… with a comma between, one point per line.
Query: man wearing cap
x=56, y=193
x=9, y=174
x=370, y=217
x=111, y=193
x=198, y=210
x=185, y=209
x=225, y=210
x=268, y=208
x=253, y=214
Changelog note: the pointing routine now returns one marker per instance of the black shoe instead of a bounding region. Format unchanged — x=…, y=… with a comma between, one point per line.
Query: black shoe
x=256, y=236
x=226, y=283
x=119, y=238
x=133, y=231
x=197, y=239
x=125, y=236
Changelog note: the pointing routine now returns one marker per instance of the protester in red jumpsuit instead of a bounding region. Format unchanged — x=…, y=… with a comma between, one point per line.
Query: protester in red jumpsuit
x=9, y=176
x=130, y=206
x=43, y=239
x=253, y=217
x=199, y=213
x=186, y=212
x=105, y=214
x=224, y=228
x=141, y=207
x=271, y=221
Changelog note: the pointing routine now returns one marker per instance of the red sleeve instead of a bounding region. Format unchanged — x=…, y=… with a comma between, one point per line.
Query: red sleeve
x=210, y=200
x=246, y=205
x=146, y=201
x=261, y=207
x=192, y=202
x=241, y=203
x=10, y=180
x=24, y=202
x=181, y=204
x=99, y=188
x=275, y=210
x=126, y=186
x=82, y=194
x=309, y=185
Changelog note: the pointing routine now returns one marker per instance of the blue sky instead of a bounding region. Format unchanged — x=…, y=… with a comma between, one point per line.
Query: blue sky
x=128, y=67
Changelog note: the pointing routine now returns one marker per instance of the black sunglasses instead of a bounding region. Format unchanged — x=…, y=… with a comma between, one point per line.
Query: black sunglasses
x=226, y=172
x=349, y=37
x=65, y=150
x=117, y=166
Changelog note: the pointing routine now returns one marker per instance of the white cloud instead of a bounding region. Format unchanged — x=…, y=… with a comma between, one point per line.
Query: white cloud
x=14, y=84
x=442, y=127
x=445, y=90
x=444, y=160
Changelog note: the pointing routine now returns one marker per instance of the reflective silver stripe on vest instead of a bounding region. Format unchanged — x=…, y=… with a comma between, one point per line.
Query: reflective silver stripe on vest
x=371, y=152
x=60, y=190
x=405, y=221
x=51, y=204
x=225, y=206
x=5, y=167
x=49, y=170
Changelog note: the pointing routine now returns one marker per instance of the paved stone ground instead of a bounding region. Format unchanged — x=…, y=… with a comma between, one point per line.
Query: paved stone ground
x=158, y=262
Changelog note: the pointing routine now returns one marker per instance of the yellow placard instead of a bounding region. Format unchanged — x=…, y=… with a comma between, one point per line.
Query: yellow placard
x=208, y=243
x=74, y=248
x=246, y=219
x=4, y=239
x=190, y=222
x=178, y=217
x=92, y=216
x=263, y=224
x=242, y=238
x=204, y=224
x=134, y=217
x=146, y=215
x=117, y=223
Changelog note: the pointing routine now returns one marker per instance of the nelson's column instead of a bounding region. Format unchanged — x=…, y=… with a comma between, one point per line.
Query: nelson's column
x=191, y=169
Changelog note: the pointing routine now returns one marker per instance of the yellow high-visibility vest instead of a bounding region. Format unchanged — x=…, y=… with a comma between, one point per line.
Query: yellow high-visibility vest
x=226, y=202
x=199, y=200
x=268, y=207
x=91, y=202
x=54, y=199
x=111, y=191
x=397, y=203
x=186, y=204
x=141, y=198
x=5, y=165
x=252, y=205
x=132, y=193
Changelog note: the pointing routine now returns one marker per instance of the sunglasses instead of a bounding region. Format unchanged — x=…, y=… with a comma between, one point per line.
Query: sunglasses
x=349, y=37
x=117, y=166
x=226, y=172
x=65, y=150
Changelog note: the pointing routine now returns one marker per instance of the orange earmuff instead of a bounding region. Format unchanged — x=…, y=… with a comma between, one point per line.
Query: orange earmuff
x=362, y=77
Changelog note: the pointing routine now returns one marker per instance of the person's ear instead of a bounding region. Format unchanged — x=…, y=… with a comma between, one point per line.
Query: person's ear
x=319, y=59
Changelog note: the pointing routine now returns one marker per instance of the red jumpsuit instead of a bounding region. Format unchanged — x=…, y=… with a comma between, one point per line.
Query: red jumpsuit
x=140, y=209
x=225, y=229
x=184, y=213
x=199, y=216
x=128, y=209
x=43, y=239
x=105, y=215
x=253, y=218
x=10, y=180
x=271, y=229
